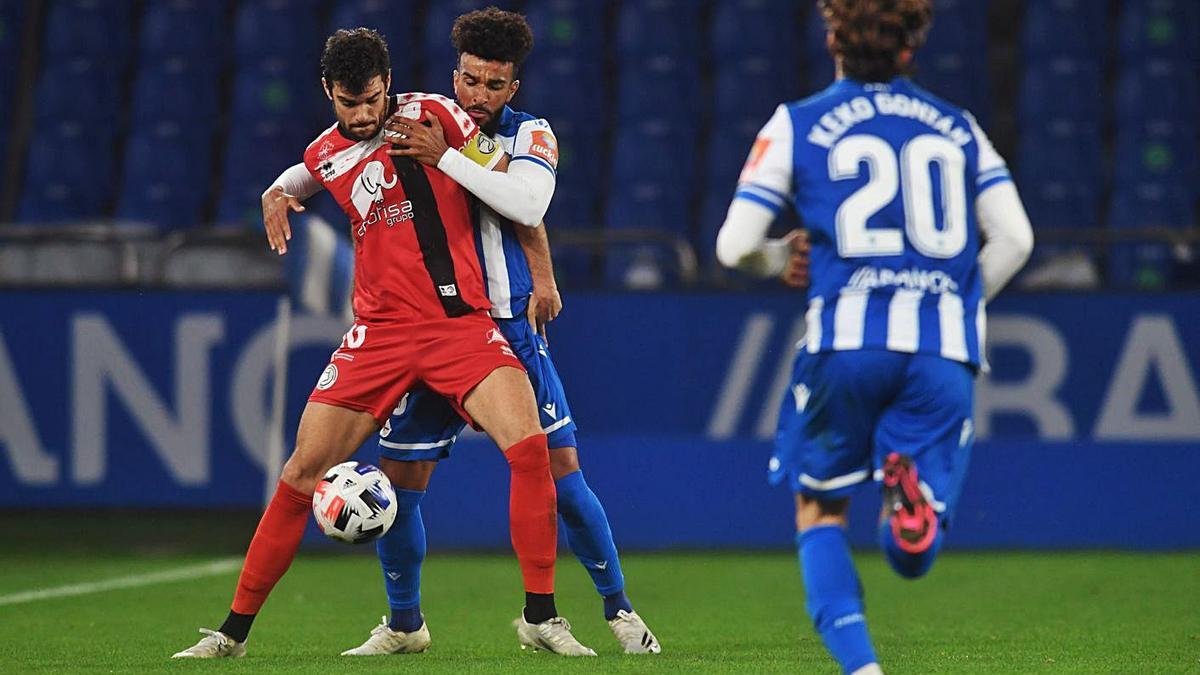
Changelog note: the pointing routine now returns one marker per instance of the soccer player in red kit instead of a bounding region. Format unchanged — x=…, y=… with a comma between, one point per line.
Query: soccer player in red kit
x=421, y=317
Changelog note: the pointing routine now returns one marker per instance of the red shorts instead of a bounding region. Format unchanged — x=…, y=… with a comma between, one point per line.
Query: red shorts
x=378, y=362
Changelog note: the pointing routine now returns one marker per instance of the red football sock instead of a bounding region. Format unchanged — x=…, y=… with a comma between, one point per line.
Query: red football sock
x=532, y=512
x=272, y=548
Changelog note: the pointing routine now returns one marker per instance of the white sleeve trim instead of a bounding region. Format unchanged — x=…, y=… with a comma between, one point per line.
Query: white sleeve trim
x=742, y=242
x=522, y=194
x=1007, y=234
x=297, y=180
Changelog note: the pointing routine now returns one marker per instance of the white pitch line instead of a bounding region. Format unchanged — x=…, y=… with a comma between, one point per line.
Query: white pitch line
x=207, y=569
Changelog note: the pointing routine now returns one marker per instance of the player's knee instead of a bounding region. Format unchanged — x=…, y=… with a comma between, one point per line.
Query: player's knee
x=563, y=462
x=528, y=457
x=302, y=473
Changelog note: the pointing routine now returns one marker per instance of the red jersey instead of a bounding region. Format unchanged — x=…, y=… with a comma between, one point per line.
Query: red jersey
x=414, y=237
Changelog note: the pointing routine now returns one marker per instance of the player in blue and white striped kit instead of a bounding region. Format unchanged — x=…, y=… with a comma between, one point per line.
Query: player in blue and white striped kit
x=895, y=188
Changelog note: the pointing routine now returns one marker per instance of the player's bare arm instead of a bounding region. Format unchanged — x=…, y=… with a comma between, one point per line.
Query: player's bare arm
x=545, y=303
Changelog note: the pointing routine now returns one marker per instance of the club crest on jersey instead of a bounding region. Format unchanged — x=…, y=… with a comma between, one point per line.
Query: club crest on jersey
x=369, y=187
x=325, y=150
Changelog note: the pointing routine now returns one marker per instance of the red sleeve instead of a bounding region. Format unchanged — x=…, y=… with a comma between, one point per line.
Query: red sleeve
x=457, y=125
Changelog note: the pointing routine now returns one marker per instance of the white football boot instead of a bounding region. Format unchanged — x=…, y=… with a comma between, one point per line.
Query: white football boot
x=633, y=634
x=384, y=640
x=214, y=645
x=553, y=636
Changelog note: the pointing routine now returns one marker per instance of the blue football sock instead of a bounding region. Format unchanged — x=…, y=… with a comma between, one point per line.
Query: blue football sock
x=908, y=565
x=401, y=553
x=834, y=596
x=591, y=539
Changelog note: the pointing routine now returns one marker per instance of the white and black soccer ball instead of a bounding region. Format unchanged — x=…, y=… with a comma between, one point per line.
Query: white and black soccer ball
x=354, y=503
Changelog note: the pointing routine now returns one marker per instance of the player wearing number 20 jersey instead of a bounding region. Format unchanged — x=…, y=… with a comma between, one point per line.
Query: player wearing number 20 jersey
x=912, y=224
x=885, y=178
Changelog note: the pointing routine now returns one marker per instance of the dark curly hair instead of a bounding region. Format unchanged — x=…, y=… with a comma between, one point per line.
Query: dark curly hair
x=353, y=57
x=868, y=35
x=493, y=34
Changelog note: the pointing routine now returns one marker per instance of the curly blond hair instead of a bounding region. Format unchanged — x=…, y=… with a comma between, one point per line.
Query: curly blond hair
x=868, y=35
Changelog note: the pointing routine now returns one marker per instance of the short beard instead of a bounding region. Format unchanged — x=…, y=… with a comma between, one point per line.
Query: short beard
x=350, y=133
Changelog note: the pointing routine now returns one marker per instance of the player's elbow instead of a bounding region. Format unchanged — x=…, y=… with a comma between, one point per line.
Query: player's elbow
x=529, y=213
x=730, y=248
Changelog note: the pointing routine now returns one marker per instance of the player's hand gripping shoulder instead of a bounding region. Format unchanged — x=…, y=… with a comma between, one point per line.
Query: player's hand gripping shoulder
x=795, y=272
x=275, y=206
x=422, y=140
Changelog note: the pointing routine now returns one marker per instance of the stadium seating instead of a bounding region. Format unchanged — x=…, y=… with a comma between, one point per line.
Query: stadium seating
x=1156, y=90
x=1061, y=88
x=274, y=89
x=662, y=87
x=1158, y=152
x=1159, y=29
x=751, y=87
x=168, y=166
x=68, y=173
x=1150, y=264
x=286, y=29
x=89, y=28
x=647, y=28
x=566, y=28
x=564, y=87
x=177, y=89
x=392, y=18
x=759, y=28
x=80, y=89
x=818, y=64
x=1054, y=28
x=184, y=28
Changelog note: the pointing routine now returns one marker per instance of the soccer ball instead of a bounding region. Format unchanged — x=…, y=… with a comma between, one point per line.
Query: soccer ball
x=354, y=503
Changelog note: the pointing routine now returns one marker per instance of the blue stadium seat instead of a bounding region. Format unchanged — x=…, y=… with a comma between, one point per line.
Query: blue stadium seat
x=580, y=154
x=68, y=173
x=743, y=28
x=563, y=87
x=166, y=177
x=728, y=147
x=959, y=27
x=654, y=151
x=90, y=28
x=1156, y=90
x=566, y=28
x=655, y=27
x=392, y=18
x=275, y=89
x=176, y=89
x=286, y=29
x=1147, y=265
x=957, y=78
x=661, y=87
x=255, y=154
x=572, y=207
x=1061, y=88
x=1159, y=152
x=80, y=89
x=1058, y=150
x=752, y=87
x=1159, y=29
x=1053, y=28
x=1151, y=203
x=184, y=28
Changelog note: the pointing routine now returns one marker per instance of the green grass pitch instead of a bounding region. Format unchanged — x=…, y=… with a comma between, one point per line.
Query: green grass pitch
x=980, y=612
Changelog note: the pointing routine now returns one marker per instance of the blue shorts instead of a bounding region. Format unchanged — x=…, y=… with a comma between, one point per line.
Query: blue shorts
x=845, y=411
x=424, y=426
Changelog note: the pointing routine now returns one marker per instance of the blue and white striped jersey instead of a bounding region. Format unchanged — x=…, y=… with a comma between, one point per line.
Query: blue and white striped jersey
x=526, y=139
x=884, y=176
